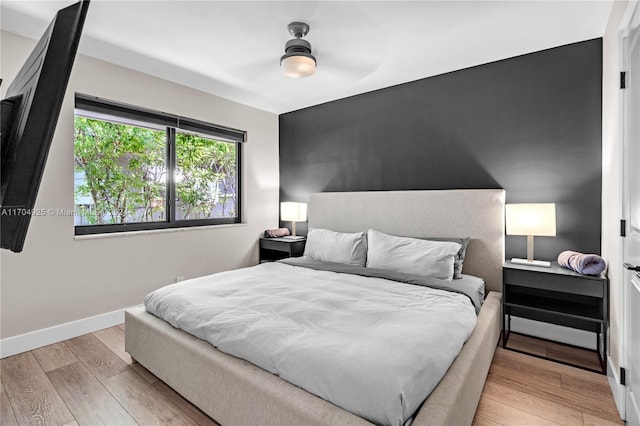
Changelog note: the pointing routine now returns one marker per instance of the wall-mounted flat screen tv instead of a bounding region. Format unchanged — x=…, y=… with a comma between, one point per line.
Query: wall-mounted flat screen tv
x=29, y=117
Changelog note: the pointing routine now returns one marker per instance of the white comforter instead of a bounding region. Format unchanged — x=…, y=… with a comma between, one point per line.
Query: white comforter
x=374, y=347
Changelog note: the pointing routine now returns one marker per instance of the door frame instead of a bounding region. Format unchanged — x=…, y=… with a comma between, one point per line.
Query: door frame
x=630, y=18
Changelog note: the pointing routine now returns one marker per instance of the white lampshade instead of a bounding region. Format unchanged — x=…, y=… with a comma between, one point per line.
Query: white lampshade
x=293, y=212
x=298, y=66
x=531, y=219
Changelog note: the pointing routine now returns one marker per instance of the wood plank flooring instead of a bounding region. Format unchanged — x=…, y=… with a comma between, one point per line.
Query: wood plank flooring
x=521, y=389
x=91, y=380
x=581, y=357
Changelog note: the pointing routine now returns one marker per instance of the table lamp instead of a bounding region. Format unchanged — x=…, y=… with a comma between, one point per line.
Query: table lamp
x=531, y=220
x=293, y=212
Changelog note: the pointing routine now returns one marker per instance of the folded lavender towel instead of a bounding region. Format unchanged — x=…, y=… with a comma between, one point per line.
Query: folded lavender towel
x=586, y=264
x=276, y=233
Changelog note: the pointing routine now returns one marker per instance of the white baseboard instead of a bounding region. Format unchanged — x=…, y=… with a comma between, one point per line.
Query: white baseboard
x=557, y=333
x=47, y=336
x=616, y=388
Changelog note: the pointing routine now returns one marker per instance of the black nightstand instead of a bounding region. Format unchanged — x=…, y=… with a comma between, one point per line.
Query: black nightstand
x=557, y=296
x=280, y=248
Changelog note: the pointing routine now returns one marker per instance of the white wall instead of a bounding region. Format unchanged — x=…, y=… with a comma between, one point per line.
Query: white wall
x=611, y=174
x=57, y=278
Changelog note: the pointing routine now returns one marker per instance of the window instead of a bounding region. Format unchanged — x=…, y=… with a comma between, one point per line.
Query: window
x=206, y=178
x=137, y=169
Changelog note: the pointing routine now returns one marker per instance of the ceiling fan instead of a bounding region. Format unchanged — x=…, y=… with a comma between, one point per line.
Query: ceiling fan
x=340, y=57
x=297, y=60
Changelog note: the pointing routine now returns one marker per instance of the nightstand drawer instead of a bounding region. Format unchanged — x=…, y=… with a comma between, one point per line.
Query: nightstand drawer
x=560, y=283
x=280, y=248
x=274, y=245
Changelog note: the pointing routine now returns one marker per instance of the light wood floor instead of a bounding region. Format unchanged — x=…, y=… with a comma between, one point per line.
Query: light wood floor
x=524, y=390
x=91, y=380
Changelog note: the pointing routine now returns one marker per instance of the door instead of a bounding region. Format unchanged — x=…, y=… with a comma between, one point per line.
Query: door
x=631, y=206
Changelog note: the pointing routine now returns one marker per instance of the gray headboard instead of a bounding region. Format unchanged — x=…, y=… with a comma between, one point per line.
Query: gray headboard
x=475, y=213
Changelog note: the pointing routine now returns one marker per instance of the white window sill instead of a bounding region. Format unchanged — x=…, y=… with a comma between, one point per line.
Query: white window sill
x=155, y=231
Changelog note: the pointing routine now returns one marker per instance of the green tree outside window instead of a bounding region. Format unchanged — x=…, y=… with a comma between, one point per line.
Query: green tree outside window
x=123, y=175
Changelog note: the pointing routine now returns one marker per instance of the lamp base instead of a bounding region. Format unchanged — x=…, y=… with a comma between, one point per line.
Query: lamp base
x=293, y=237
x=542, y=263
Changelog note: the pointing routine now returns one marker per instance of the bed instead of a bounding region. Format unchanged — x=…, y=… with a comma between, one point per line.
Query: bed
x=236, y=392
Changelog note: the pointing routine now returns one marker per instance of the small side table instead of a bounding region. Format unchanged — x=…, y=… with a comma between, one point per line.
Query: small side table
x=272, y=249
x=557, y=296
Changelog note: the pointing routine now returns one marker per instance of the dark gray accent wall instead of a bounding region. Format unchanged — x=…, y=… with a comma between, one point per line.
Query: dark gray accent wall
x=531, y=125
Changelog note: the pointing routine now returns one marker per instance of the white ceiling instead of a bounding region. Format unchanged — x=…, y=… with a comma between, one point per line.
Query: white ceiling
x=232, y=48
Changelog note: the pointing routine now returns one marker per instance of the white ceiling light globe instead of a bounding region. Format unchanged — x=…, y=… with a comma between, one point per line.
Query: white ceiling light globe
x=298, y=66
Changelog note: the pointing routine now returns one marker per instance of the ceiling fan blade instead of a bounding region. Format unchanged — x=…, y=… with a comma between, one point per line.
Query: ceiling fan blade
x=347, y=64
x=256, y=69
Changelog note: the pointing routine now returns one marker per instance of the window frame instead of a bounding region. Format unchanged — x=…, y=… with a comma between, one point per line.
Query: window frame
x=101, y=109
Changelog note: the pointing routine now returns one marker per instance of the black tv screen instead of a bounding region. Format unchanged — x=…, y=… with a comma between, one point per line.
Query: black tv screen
x=29, y=117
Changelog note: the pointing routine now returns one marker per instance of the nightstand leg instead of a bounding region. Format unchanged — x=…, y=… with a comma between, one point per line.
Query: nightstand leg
x=506, y=329
x=604, y=341
x=598, y=346
x=602, y=348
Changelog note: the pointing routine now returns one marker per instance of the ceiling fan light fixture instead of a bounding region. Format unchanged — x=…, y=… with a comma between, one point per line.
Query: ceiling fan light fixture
x=298, y=65
x=297, y=60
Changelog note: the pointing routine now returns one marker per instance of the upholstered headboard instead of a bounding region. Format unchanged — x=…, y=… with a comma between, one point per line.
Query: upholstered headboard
x=475, y=213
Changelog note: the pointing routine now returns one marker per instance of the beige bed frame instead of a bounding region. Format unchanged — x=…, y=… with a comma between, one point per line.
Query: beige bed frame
x=235, y=392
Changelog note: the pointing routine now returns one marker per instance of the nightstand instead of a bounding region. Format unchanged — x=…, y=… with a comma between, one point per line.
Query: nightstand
x=557, y=296
x=280, y=248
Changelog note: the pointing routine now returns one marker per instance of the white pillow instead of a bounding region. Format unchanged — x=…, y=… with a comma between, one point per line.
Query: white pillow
x=337, y=247
x=411, y=255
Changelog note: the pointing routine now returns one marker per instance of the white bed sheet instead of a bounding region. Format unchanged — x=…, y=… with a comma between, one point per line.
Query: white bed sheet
x=371, y=346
